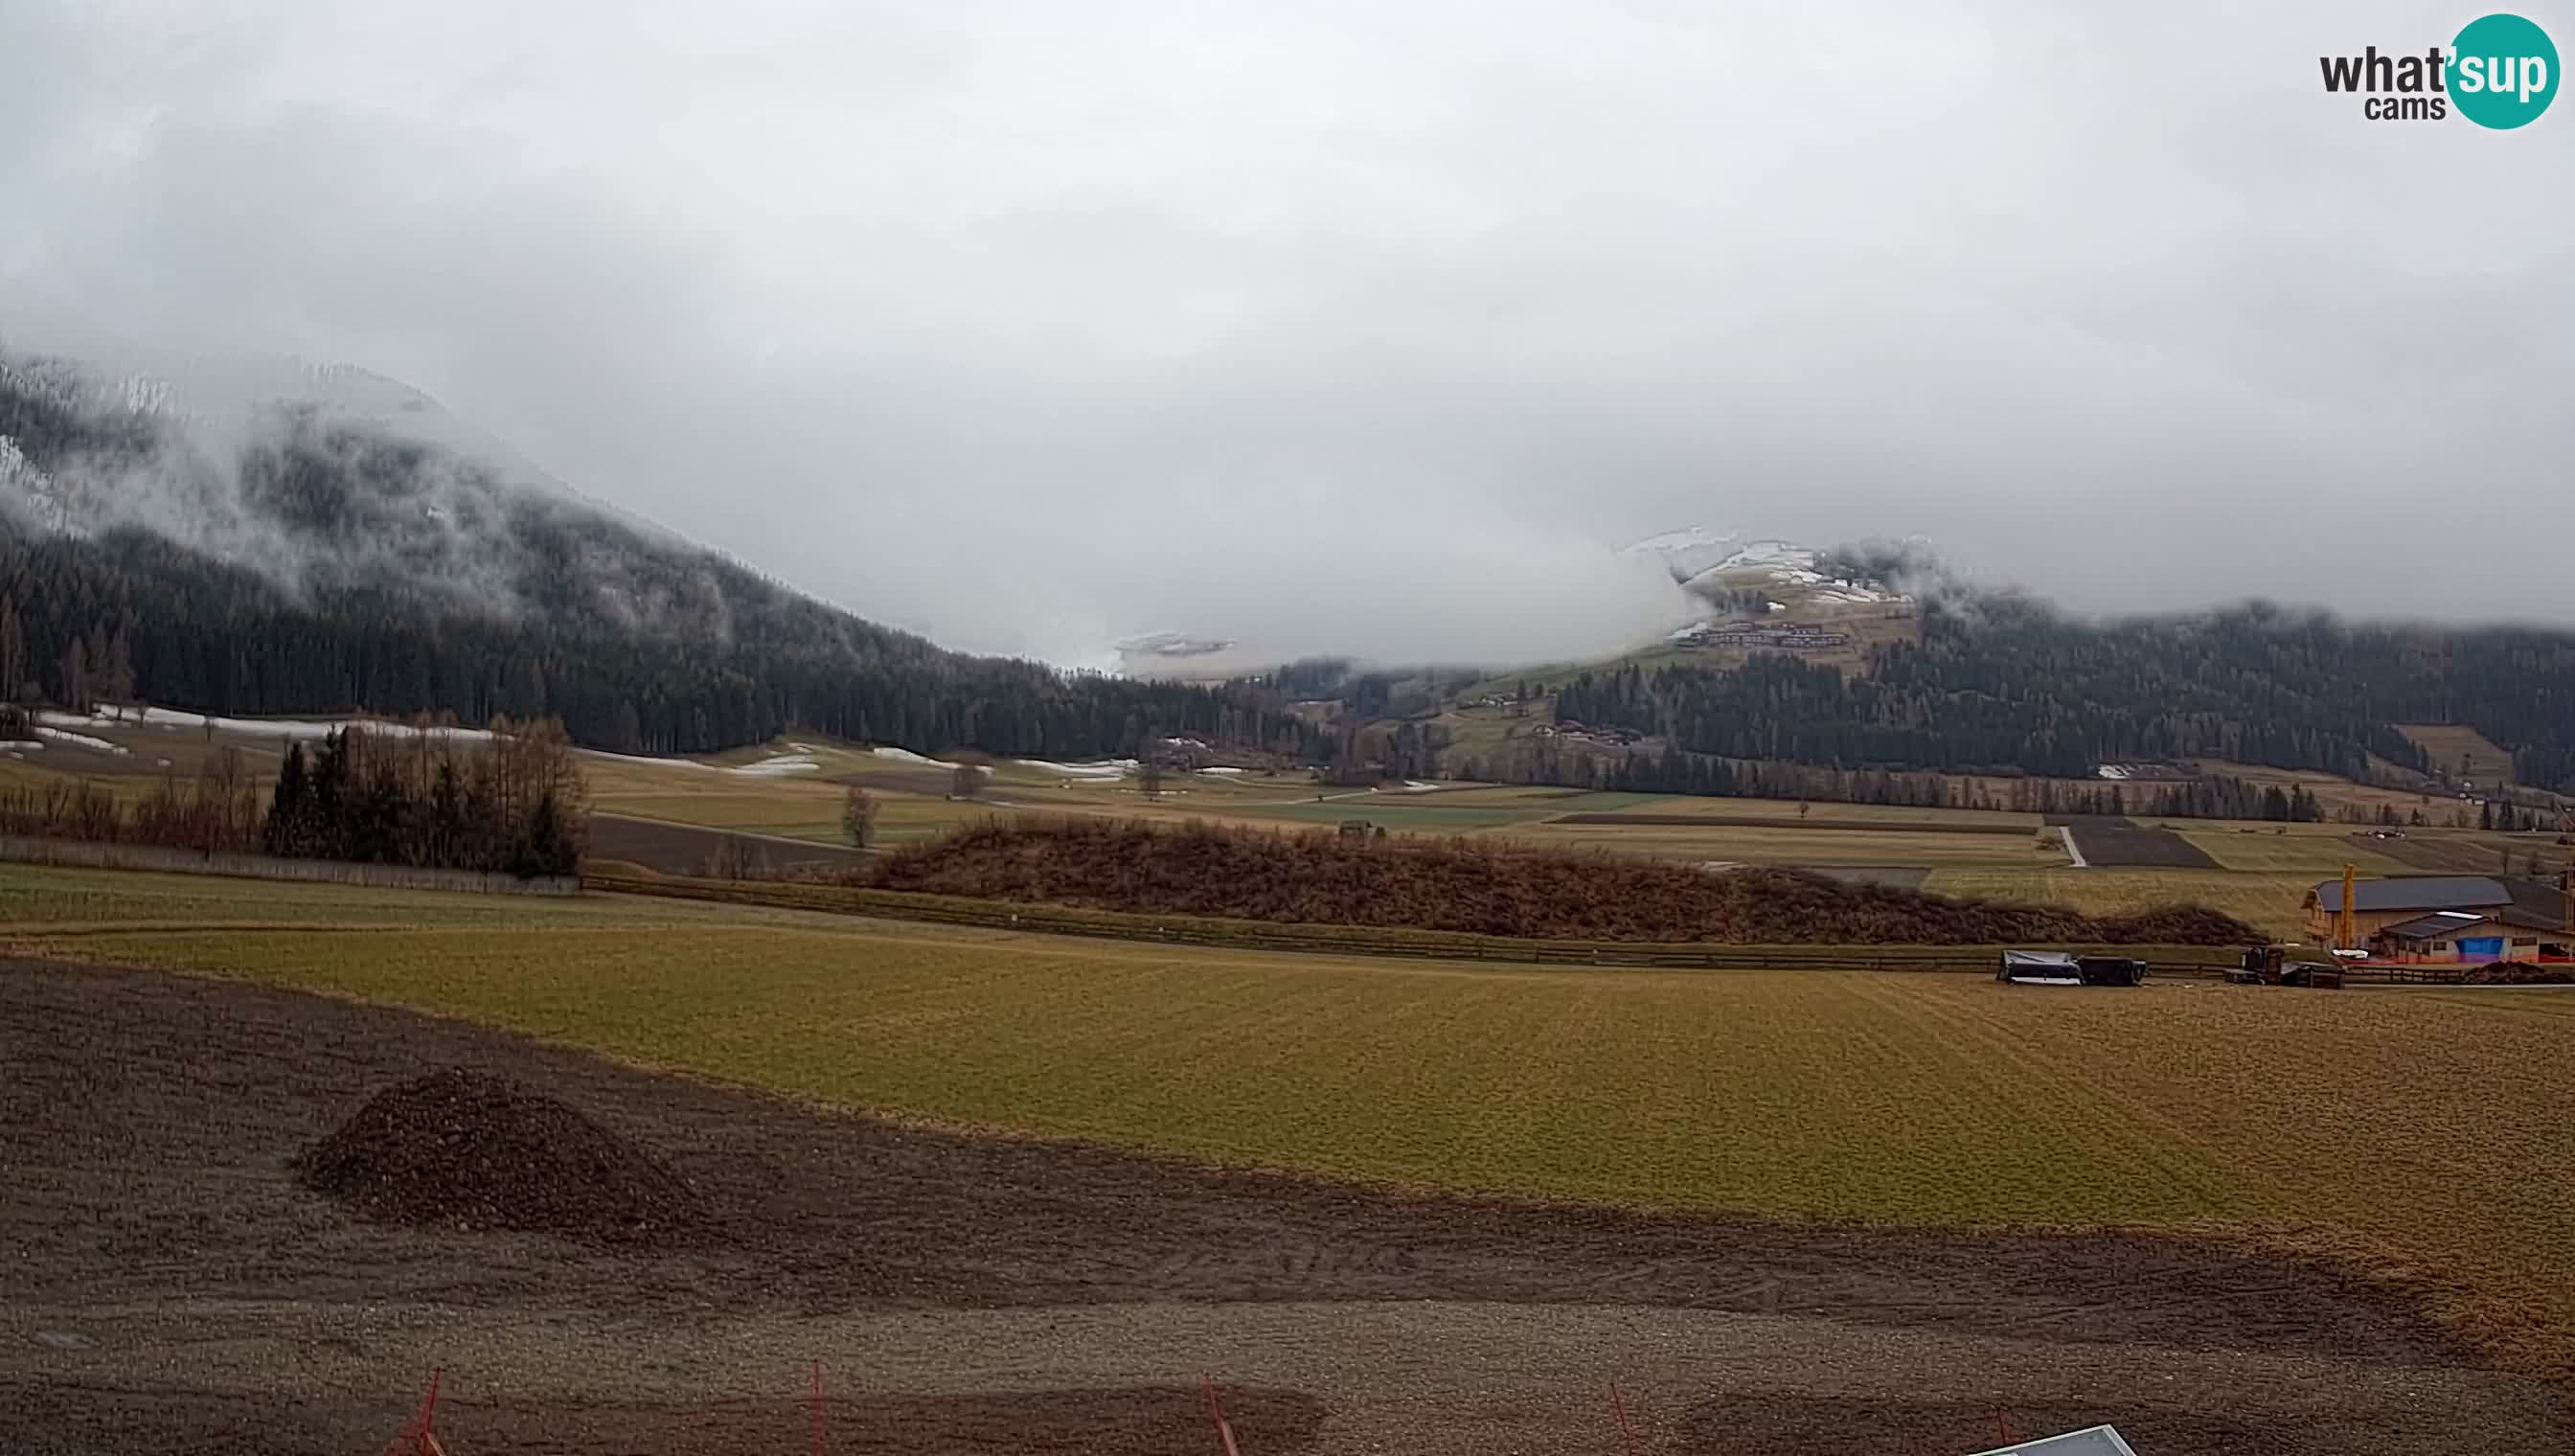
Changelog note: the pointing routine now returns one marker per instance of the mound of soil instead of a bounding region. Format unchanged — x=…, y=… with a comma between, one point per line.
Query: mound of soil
x=465, y=1150
x=1482, y=889
x=2517, y=973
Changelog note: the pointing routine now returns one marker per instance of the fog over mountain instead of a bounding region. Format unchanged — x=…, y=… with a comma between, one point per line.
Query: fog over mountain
x=1336, y=328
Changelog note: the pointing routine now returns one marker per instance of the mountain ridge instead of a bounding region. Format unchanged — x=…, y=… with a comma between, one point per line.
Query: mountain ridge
x=311, y=558
x=326, y=564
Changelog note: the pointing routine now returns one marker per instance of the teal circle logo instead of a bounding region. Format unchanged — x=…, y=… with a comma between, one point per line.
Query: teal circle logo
x=2503, y=72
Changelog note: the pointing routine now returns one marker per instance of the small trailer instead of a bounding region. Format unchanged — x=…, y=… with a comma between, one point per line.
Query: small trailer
x=2040, y=968
x=2111, y=970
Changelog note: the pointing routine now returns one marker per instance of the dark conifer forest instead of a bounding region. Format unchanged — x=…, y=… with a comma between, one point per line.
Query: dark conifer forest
x=367, y=571
x=2002, y=683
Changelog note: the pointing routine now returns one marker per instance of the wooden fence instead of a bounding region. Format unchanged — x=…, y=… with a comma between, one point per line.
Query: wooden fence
x=94, y=855
x=2190, y=960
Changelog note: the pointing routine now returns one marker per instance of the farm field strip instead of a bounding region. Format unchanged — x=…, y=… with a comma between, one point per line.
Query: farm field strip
x=1787, y=843
x=2259, y=850
x=2458, y=749
x=1587, y=1085
x=2268, y=901
x=1811, y=824
x=2116, y=842
x=1785, y=812
x=35, y=898
x=1396, y=817
x=2411, y=1130
x=2455, y=1166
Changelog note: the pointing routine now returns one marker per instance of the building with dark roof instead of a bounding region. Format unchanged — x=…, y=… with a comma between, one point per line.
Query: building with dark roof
x=2506, y=934
x=2444, y=936
x=2380, y=903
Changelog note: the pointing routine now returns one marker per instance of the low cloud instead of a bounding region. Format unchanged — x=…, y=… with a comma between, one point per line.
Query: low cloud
x=1353, y=330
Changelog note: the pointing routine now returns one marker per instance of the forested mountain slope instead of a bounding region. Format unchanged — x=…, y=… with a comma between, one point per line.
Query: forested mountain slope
x=2002, y=682
x=323, y=564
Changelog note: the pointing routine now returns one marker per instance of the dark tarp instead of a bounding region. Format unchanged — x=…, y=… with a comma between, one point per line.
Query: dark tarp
x=2111, y=970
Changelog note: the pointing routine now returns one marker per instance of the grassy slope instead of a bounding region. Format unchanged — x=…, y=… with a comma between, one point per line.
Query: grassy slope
x=2317, y=851
x=1787, y=843
x=2267, y=901
x=2449, y=743
x=2406, y=1126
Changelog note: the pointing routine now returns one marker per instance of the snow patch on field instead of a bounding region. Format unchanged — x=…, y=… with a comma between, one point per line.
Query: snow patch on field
x=14, y=745
x=906, y=755
x=1106, y=768
x=79, y=741
x=173, y=719
x=776, y=765
x=1220, y=771
x=648, y=759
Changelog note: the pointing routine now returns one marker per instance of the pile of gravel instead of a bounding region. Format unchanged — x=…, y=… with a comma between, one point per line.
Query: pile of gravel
x=460, y=1149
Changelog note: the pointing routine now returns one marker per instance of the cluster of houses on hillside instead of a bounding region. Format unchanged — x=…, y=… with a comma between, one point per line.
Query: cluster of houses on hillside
x=1744, y=636
x=1574, y=732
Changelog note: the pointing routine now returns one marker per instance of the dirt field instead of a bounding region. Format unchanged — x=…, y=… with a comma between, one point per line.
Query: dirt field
x=2318, y=849
x=676, y=849
x=2108, y=840
x=171, y=1288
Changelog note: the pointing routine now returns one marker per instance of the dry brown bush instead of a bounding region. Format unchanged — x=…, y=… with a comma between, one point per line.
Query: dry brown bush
x=1481, y=888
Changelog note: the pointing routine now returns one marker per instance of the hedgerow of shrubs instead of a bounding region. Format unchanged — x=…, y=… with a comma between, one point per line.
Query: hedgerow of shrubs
x=1475, y=888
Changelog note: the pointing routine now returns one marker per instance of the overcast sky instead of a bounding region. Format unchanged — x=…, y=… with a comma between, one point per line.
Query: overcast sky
x=1360, y=325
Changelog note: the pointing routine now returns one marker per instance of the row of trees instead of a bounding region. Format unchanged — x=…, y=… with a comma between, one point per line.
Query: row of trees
x=510, y=800
x=217, y=811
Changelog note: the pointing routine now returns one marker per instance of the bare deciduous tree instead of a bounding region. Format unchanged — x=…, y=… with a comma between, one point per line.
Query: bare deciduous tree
x=858, y=815
x=737, y=858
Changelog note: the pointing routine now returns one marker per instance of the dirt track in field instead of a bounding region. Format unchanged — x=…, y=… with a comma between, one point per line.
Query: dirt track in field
x=168, y=1287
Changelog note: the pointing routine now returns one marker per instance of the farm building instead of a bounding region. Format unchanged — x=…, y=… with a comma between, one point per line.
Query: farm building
x=2380, y=903
x=2506, y=934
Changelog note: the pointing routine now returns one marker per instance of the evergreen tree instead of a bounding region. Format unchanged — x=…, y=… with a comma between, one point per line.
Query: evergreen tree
x=283, y=832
